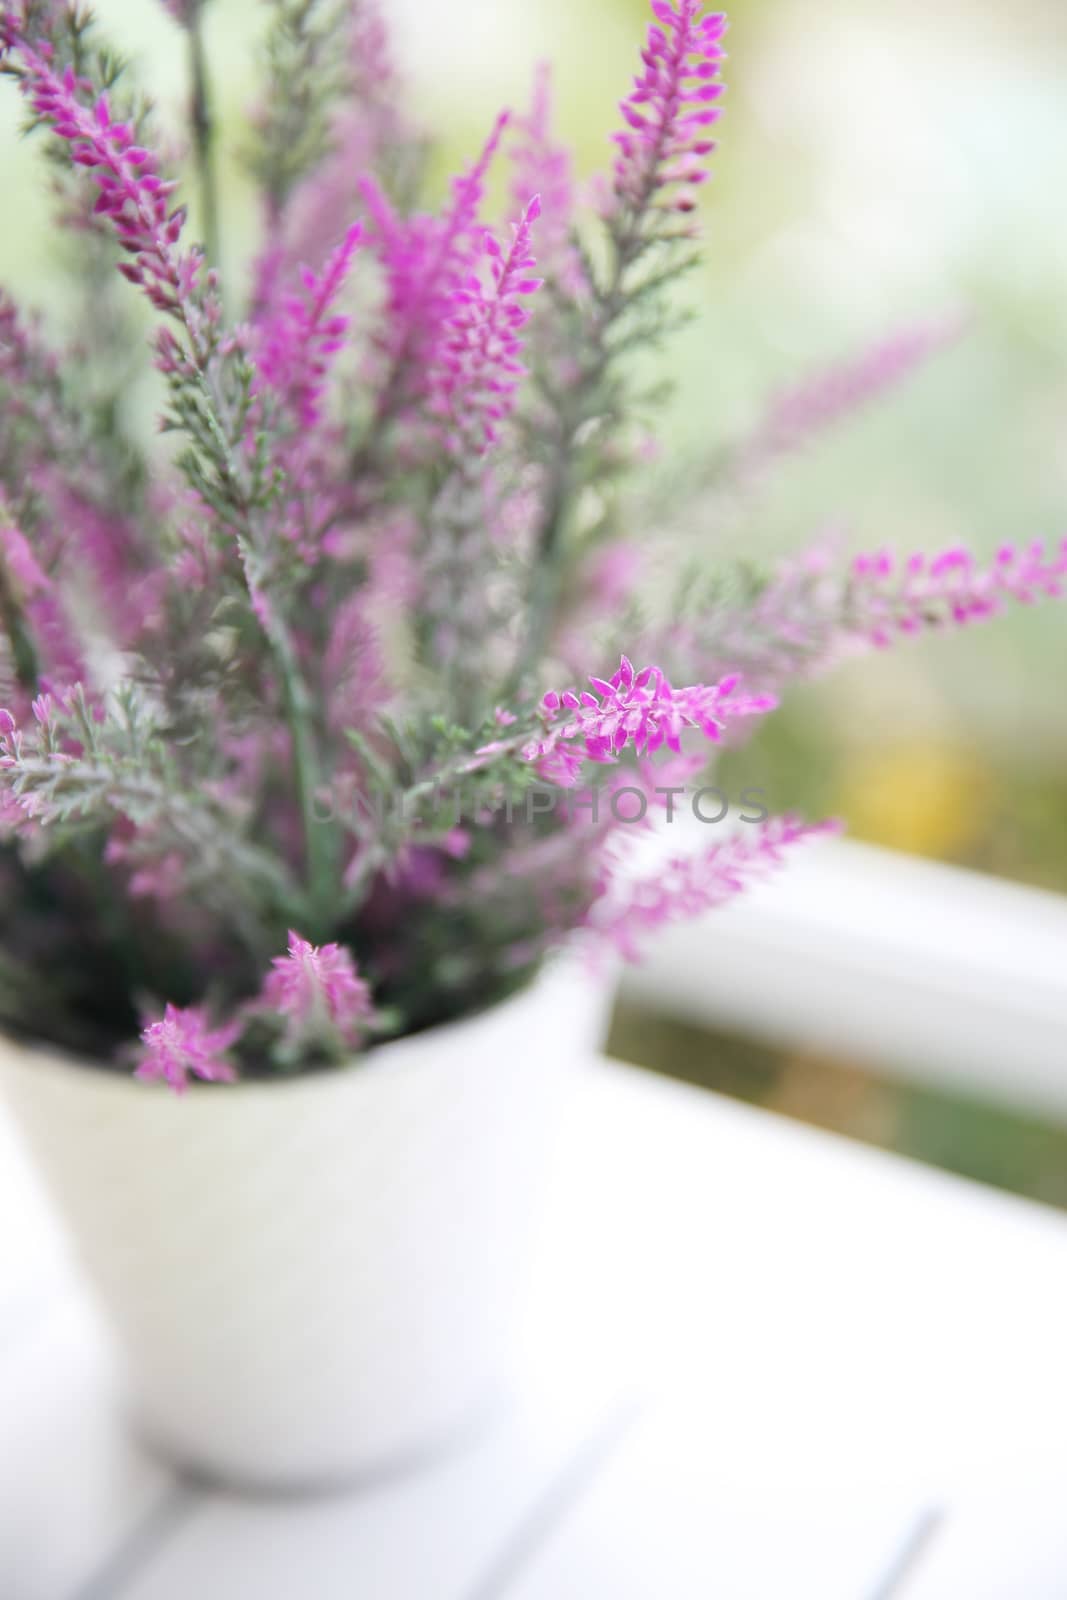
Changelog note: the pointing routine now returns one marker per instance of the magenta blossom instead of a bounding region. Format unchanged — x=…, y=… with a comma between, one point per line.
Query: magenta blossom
x=688, y=886
x=61, y=652
x=894, y=595
x=318, y=992
x=478, y=367
x=183, y=1044
x=633, y=708
x=673, y=103
x=425, y=259
x=817, y=404
x=280, y=669
x=543, y=167
x=132, y=193
x=301, y=336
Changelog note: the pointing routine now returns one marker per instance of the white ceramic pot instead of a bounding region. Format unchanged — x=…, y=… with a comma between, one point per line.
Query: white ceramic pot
x=318, y=1277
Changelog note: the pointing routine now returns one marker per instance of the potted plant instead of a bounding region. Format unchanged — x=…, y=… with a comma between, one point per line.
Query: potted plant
x=292, y=816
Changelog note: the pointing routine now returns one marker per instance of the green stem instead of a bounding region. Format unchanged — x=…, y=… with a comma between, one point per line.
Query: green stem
x=203, y=125
x=319, y=835
x=628, y=242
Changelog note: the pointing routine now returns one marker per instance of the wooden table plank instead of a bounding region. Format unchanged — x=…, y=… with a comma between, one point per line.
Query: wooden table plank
x=843, y=1344
x=1006, y=1541
x=661, y=1522
x=820, y=1342
x=829, y=1281
x=73, y=1483
x=431, y=1533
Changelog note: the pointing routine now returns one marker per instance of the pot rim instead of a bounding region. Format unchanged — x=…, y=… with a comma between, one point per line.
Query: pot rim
x=385, y=1054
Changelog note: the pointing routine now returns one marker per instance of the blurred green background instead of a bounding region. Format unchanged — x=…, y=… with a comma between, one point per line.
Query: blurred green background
x=878, y=164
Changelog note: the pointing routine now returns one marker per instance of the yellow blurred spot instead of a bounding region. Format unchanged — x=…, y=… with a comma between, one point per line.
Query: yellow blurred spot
x=927, y=798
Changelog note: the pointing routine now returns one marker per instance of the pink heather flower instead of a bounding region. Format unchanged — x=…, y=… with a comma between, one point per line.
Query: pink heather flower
x=421, y=871
x=60, y=653
x=150, y=876
x=374, y=116
x=183, y=11
x=19, y=353
x=95, y=545
x=832, y=396
x=541, y=166
x=183, y=1044
x=687, y=886
x=664, y=143
x=640, y=709
x=20, y=566
x=78, y=534
x=268, y=273
x=29, y=371
x=220, y=744
x=891, y=596
x=303, y=332
x=425, y=259
x=812, y=614
x=611, y=575
x=133, y=195
x=354, y=671
x=15, y=816
x=318, y=991
x=478, y=367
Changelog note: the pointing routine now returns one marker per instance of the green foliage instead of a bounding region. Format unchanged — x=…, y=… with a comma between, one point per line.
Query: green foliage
x=305, y=75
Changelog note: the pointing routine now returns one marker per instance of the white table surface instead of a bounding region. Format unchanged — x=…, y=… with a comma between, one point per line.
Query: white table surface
x=764, y=1364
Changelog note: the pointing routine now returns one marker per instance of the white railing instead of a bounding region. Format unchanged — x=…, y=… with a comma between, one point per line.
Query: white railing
x=923, y=970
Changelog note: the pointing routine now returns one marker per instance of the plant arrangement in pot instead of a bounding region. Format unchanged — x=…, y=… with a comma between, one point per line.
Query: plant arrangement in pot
x=291, y=780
